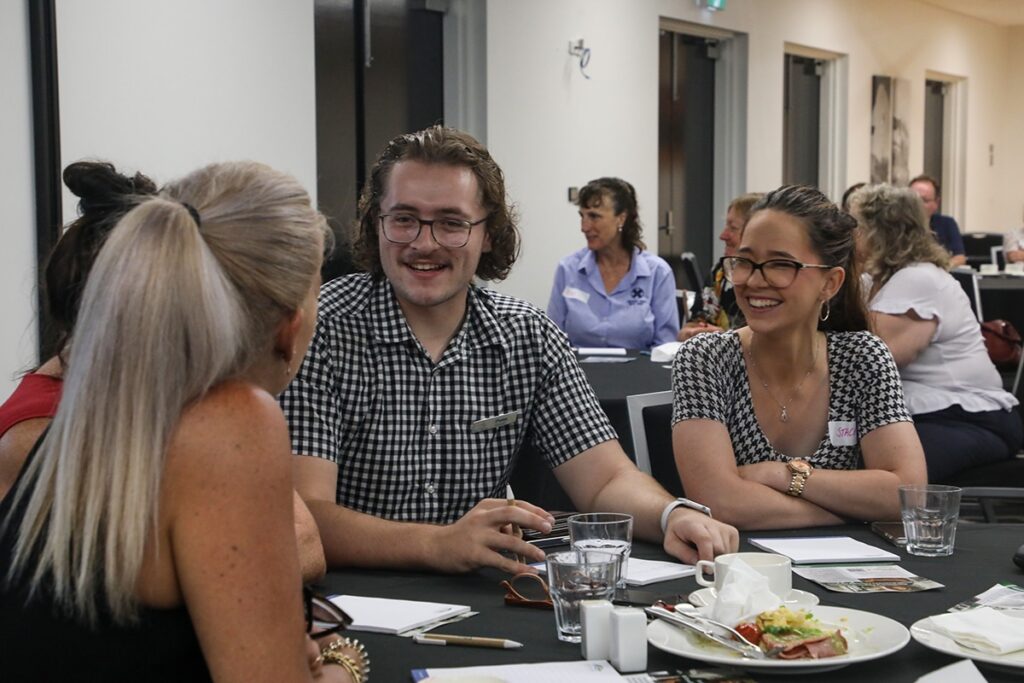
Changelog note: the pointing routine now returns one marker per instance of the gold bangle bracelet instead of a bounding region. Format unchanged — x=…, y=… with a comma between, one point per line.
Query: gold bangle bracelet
x=332, y=654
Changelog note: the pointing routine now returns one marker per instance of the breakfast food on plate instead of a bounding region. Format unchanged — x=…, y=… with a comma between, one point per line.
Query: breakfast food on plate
x=786, y=634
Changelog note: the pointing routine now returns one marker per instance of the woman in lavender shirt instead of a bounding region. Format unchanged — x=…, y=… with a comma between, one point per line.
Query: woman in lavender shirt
x=613, y=293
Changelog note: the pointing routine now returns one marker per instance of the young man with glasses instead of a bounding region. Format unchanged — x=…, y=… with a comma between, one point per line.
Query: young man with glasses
x=421, y=387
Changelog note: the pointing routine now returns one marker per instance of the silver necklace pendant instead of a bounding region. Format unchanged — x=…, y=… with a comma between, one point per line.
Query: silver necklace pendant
x=785, y=415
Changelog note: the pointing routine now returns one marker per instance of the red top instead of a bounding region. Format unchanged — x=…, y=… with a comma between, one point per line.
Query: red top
x=36, y=396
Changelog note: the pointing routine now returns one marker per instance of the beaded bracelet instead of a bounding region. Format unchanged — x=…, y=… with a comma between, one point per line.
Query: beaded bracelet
x=332, y=654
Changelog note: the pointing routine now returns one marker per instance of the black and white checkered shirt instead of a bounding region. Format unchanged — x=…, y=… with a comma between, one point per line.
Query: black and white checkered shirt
x=369, y=398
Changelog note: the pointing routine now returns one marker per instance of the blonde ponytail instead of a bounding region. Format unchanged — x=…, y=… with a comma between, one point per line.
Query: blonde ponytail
x=172, y=307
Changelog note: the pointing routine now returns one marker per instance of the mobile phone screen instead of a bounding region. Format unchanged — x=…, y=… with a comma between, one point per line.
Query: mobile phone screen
x=633, y=597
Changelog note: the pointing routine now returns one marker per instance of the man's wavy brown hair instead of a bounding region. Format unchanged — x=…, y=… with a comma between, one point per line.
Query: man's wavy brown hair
x=447, y=147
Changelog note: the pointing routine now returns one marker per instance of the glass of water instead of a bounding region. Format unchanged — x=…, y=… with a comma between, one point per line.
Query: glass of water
x=929, y=514
x=609, y=532
x=574, y=576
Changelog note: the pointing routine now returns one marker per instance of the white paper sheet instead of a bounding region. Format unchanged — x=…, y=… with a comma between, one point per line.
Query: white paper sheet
x=542, y=672
x=599, y=351
x=642, y=572
x=825, y=550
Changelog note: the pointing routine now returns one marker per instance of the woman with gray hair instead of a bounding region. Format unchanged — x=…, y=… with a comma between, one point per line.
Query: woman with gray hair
x=151, y=526
x=963, y=416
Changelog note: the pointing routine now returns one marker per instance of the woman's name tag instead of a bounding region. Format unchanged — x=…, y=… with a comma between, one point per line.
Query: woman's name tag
x=573, y=293
x=842, y=432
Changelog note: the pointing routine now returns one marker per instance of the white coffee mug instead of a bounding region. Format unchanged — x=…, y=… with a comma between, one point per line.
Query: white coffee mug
x=776, y=568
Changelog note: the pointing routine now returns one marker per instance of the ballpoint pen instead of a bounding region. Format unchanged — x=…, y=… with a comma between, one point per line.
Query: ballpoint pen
x=516, y=531
x=472, y=641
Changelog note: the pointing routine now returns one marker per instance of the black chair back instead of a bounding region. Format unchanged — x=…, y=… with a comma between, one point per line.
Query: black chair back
x=968, y=279
x=978, y=246
x=658, y=425
x=691, y=271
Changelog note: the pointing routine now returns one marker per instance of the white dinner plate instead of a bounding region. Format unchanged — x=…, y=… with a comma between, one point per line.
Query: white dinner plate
x=924, y=633
x=797, y=599
x=869, y=636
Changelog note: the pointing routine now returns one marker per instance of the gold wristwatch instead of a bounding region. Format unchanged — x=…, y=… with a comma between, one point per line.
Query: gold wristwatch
x=801, y=470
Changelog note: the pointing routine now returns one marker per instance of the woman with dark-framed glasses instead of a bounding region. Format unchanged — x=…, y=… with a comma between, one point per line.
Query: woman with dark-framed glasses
x=798, y=418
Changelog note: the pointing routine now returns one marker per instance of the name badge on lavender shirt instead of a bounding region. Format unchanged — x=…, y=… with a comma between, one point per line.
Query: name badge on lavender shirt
x=578, y=294
x=842, y=432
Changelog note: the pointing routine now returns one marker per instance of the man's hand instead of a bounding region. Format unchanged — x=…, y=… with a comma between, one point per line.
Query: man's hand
x=692, y=536
x=698, y=327
x=478, y=539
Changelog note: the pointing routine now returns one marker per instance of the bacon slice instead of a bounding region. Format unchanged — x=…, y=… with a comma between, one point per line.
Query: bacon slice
x=815, y=647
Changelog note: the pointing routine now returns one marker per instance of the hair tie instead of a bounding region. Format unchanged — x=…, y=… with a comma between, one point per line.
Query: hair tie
x=192, y=212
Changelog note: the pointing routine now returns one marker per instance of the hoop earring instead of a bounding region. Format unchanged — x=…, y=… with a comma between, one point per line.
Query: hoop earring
x=826, y=311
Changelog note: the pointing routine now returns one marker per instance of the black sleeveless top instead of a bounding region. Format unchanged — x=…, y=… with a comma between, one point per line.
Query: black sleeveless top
x=40, y=644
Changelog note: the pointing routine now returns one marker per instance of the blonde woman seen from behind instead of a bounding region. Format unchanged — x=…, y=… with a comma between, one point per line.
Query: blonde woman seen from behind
x=152, y=526
x=105, y=196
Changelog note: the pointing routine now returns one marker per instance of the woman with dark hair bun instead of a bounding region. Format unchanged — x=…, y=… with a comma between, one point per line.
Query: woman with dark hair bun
x=798, y=418
x=105, y=196
x=613, y=292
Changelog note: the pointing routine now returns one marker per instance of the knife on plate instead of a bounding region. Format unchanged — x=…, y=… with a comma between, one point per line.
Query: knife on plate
x=698, y=626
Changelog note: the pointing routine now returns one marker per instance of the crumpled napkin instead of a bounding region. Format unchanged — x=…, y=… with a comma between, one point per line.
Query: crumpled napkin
x=665, y=353
x=983, y=628
x=744, y=593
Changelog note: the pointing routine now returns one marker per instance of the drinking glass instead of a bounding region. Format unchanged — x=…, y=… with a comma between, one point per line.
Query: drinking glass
x=575, y=575
x=929, y=518
x=609, y=532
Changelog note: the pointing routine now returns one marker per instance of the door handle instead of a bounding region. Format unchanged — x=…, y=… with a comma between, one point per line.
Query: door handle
x=667, y=227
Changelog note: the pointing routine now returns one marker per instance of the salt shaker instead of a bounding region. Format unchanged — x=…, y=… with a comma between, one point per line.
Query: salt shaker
x=595, y=628
x=628, y=646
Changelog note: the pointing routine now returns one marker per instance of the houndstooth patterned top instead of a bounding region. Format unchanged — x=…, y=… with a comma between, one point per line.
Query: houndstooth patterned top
x=709, y=381
x=369, y=398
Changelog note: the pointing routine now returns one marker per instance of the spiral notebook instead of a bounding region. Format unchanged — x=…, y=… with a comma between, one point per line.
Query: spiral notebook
x=385, y=615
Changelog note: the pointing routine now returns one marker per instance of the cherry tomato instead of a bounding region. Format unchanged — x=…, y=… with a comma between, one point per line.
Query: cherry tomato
x=751, y=632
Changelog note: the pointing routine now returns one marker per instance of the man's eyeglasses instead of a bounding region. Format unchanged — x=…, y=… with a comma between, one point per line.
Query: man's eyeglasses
x=404, y=228
x=779, y=272
x=527, y=590
x=323, y=617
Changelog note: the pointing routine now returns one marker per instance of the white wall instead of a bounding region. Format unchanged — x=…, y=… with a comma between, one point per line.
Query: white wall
x=165, y=87
x=17, y=257
x=551, y=128
x=162, y=87
x=1012, y=180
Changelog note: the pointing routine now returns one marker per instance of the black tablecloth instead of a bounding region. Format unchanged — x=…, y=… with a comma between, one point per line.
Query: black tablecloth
x=982, y=559
x=613, y=382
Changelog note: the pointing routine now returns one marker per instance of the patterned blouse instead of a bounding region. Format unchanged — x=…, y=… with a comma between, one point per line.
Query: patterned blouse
x=709, y=380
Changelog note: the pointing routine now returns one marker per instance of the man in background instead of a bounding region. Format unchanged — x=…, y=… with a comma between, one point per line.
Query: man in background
x=945, y=229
